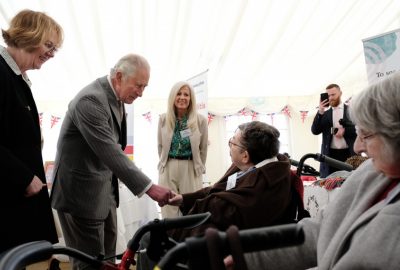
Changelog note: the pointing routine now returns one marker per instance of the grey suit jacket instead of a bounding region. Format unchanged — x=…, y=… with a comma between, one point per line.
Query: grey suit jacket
x=351, y=233
x=90, y=155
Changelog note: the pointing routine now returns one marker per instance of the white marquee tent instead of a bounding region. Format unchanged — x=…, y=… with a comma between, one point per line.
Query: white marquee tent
x=260, y=54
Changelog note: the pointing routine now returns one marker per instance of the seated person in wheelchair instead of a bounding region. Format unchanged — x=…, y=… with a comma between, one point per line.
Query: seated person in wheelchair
x=256, y=191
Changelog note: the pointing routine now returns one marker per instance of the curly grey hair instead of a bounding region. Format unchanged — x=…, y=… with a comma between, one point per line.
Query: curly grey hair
x=127, y=65
x=260, y=140
x=377, y=109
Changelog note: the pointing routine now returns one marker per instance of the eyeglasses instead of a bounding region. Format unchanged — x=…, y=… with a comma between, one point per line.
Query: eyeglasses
x=50, y=48
x=230, y=142
x=364, y=139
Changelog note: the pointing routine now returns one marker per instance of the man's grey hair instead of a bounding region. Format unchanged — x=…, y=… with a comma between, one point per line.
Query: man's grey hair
x=377, y=109
x=128, y=65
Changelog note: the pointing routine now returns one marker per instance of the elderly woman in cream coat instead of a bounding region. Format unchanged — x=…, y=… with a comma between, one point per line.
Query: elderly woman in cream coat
x=182, y=145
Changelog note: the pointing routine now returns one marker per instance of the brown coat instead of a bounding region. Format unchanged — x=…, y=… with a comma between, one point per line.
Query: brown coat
x=259, y=199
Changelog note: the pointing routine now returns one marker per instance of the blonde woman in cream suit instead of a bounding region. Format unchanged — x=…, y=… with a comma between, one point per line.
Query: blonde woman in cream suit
x=182, y=145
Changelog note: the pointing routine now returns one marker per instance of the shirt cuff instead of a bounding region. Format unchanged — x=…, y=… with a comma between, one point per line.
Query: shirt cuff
x=145, y=189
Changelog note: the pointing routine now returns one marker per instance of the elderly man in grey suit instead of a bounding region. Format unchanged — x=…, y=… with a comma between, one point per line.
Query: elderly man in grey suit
x=90, y=158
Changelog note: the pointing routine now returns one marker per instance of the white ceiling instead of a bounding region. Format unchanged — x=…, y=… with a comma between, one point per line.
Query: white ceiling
x=252, y=48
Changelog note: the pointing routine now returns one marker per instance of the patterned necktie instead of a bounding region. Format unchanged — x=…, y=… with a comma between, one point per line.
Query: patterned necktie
x=121, y=109
x=338, y=141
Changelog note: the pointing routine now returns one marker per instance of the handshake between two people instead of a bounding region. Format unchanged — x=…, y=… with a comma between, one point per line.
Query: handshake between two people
x=164, y=196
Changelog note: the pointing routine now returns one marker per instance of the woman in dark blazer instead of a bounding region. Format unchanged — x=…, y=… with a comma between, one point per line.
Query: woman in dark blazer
x=32, y=39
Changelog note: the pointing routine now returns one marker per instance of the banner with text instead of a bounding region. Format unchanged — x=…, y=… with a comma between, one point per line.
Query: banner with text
x=382, y=55
x=129, y=150
x=200, y=86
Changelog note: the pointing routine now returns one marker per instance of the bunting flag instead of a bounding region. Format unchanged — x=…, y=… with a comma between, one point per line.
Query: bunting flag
x=226, y=118
x=253, y=115
x=303, y=115
x=347, y=102
x=54, y=120
x=210, y=118
x=41, y=118
x=147, y=116
x=129, y=151
x=243, y=112
x=286, y=111
x=272, y=117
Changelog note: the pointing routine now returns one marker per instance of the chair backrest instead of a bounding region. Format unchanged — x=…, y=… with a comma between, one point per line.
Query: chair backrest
x=295, y=210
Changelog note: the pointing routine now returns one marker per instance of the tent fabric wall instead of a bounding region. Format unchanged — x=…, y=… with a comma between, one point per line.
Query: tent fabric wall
x=259, y=49
x=261, y=55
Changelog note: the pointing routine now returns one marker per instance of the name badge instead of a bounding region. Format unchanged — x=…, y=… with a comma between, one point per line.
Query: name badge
x=186, y=133
x=231, y=183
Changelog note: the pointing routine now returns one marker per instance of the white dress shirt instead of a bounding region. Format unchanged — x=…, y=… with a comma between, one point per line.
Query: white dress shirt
x=340, y=107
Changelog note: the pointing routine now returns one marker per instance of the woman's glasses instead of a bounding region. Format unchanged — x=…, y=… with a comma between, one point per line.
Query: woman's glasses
x=50, y=48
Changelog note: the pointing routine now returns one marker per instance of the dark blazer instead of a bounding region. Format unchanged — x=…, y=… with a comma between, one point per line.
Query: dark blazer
x=323, y=124
x=260, y=198
x=90, y=155
x=23, y=219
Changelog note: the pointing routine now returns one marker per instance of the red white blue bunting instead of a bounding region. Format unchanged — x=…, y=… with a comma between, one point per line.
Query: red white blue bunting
x=286, y=111
x=243, y=112
x=147, y=116
x=210, y=118
x=41, y=119
x=54, y=120
x=253, y=115
x=226, y=118
x=272, y=117
x=303, y=115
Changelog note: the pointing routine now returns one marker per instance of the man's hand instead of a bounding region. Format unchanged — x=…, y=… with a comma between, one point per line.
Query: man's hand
x=160, y=194
x=177, y=200
x=321, y=108
x=340, y=132
x=34, y=187
x=229, y=264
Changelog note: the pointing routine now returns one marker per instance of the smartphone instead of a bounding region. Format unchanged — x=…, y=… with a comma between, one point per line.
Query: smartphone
x=334, y=130
x=325, y=96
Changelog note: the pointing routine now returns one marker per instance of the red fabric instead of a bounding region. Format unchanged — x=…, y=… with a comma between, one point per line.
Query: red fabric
x=297, y=184
x=305, y=178
x=384, y=195
x=308, y=178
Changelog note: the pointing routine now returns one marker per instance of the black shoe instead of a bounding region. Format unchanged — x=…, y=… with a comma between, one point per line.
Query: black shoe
x=54, y=264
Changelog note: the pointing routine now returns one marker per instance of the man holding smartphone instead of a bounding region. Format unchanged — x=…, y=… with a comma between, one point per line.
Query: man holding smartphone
x=337, y=141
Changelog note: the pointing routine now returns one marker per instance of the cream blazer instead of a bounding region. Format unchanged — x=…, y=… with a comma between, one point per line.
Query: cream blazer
x=198, y=143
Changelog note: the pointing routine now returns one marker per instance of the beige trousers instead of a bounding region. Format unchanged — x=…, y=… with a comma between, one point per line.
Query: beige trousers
x=178, y=175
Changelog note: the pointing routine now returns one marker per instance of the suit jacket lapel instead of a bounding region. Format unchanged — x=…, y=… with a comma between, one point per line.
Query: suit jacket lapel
x=329, y=116
x=346, y=112
x=112, y=99
x=122, y=134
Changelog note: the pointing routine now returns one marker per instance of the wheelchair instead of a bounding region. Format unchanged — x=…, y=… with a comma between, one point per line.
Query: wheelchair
x=194, y=249
x=30, y=253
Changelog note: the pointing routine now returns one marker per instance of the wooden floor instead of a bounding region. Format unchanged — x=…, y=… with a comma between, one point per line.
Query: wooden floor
x=43, y=266
x=63, y=266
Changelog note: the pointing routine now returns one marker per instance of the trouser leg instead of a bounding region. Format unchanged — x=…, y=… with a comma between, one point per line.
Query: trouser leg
x=169, y=178
x=338, y=154
x=90, y=236
x=189, y=182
